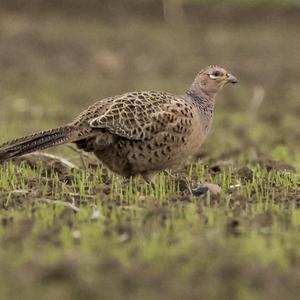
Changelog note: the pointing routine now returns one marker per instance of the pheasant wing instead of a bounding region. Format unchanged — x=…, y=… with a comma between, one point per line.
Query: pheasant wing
x=141, y=115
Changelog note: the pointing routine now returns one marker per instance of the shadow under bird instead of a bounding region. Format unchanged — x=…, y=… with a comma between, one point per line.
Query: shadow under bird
x=137, y=133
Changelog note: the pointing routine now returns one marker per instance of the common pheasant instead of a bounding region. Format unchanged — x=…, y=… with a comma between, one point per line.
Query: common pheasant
x=137, y=133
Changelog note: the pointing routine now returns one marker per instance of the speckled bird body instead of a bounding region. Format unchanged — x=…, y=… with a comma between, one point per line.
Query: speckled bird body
x=143, y=132
x=138, y=133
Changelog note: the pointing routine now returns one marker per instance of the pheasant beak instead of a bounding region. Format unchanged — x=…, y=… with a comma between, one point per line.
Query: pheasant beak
x=231, y=79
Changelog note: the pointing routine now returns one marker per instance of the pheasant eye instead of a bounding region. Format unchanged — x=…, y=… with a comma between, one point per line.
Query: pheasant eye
x=215, y=74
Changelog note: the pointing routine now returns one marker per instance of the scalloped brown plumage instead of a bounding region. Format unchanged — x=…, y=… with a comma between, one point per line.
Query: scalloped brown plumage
x=138, y=133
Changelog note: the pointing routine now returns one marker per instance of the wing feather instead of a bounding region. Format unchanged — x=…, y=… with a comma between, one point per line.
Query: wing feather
x=141, y=115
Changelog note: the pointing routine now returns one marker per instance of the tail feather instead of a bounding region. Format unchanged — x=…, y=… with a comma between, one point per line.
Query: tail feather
x=37, y=141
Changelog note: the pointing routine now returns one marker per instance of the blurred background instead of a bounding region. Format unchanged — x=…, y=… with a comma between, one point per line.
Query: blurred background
x=57, y=57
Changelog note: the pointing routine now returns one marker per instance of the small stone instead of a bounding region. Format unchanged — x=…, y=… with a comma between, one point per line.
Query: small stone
x=213, y=188
x=95, y=215
x=199, y=190
x=124, y=237
x=76, y=235
x=203, y=188
x=141, y=199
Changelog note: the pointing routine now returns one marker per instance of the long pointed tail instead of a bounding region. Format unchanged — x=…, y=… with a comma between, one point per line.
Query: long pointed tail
x=37, y=141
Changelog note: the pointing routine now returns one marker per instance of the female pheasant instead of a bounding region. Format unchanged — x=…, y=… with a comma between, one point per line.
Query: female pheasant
x=137, y=133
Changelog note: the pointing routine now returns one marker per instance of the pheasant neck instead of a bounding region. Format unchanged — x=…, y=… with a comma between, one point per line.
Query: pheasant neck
x=205, y=105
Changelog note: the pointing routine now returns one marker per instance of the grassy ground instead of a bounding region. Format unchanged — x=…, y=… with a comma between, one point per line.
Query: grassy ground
x=70, y=233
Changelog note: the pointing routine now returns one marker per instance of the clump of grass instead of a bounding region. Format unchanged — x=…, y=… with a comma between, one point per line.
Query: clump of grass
x=161, y=228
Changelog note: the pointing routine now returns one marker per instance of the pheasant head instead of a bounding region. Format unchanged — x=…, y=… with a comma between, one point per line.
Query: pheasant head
x=211, y=80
